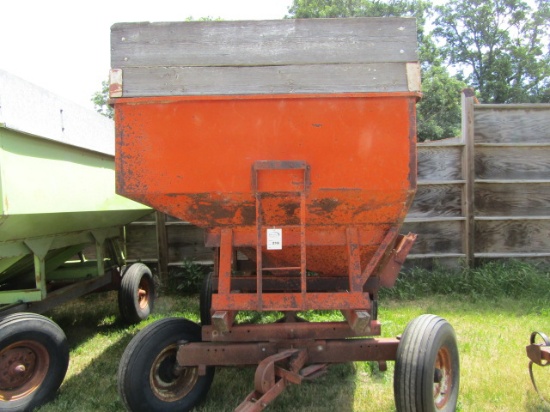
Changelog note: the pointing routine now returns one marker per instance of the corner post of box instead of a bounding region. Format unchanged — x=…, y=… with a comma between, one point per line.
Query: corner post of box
x=115, y=83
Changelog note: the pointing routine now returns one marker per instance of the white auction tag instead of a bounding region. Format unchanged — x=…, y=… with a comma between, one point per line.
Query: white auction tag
x=274, y=239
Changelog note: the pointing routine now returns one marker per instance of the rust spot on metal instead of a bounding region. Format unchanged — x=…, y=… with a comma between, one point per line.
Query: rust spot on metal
x=290, y=208
x=326, y=205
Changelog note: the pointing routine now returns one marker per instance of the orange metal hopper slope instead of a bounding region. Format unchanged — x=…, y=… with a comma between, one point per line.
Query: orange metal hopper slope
x=335, y=172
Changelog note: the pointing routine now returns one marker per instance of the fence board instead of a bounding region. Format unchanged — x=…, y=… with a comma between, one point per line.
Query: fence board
x=512, y=236
x=512, y=125
x=437, y=200
x=512, y=199
x=439, y=162
x=185, y=241
x=141, y=242
x=438, y=237
x=500, y=162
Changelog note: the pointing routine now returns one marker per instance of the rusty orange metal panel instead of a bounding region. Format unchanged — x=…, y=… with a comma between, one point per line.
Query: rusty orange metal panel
x=202, y=149
x=291, y=301
x=192, y=157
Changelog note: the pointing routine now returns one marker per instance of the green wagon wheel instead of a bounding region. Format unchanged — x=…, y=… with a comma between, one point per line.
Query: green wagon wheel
x=137, y=293
x=34, y=357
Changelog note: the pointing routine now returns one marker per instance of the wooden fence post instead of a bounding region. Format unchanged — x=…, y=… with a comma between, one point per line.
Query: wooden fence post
x=468, y=174
x=162, y=244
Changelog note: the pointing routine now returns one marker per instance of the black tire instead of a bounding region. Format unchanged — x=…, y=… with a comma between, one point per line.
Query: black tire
x=426, y=377
x=146, y=380
x=205, y=299
x=136, y=296
x=34, y=357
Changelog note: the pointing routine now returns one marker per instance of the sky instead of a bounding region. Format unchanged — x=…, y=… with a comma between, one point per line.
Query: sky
x=63, y=46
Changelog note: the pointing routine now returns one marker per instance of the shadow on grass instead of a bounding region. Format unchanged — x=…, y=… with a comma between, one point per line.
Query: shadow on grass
x=535, y=404
x=98, y=338
x=94, y=388
x=333, y=391
x=90, y=384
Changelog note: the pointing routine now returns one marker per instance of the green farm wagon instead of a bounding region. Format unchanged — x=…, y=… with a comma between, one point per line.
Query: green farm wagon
x=60, y=226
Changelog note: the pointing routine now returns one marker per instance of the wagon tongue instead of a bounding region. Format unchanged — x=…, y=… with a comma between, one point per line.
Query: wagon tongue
x=274, y=373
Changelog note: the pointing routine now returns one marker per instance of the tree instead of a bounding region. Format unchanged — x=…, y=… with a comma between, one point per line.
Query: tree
x=499, y=47
x=439, y=111
x=101, y=101
x=302, y=9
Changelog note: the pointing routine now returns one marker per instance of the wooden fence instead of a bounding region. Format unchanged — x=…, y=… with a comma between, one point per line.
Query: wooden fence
x=484, y=195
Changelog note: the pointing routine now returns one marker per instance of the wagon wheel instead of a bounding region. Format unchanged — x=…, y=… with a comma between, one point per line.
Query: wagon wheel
x=34, y=357
x=426, y=374
x=147, y=377
x=205, y=299
x=136, y=294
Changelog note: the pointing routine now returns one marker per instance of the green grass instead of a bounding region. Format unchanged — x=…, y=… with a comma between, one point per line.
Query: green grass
x=493, y=311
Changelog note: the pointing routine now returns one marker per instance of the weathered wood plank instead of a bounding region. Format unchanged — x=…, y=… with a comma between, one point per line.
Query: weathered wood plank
x=335, y=78
x=141, y=242
x=516, y=236
x=184, y=242
x=191, y=252
x=147, y=218
x=526, y=199
x=512, y=162
x=187, y=242
x=261, y=43
x=529, y=125
x=437, y=201
x=439, y=162
x=468, y=172
x=162, y=245
x=436, y=237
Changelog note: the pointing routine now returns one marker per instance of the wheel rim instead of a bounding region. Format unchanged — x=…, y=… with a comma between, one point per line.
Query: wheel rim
x=24, y=366
x=168, y=384
x=143, y=293
x=443, y=378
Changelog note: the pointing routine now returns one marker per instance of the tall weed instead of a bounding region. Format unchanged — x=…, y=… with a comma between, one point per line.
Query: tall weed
x=491, y=280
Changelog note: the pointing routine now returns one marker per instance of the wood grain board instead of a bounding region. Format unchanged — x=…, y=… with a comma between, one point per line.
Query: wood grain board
x=265, y=57
x=436, y=201
x=512, y=125
x=512, y=236
x=263, y=43
x=512, y=162
x=437, y=163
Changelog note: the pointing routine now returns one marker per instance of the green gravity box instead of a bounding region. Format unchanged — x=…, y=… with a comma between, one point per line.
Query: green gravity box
x=57, y=186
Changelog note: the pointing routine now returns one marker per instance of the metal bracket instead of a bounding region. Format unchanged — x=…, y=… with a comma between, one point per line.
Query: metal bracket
x=538, y=354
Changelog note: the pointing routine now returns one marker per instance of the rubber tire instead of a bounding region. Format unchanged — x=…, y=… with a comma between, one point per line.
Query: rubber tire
x=136, y=364
x=19, y=327
x=128, y=294
x=414, y=372
x=205, y=299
